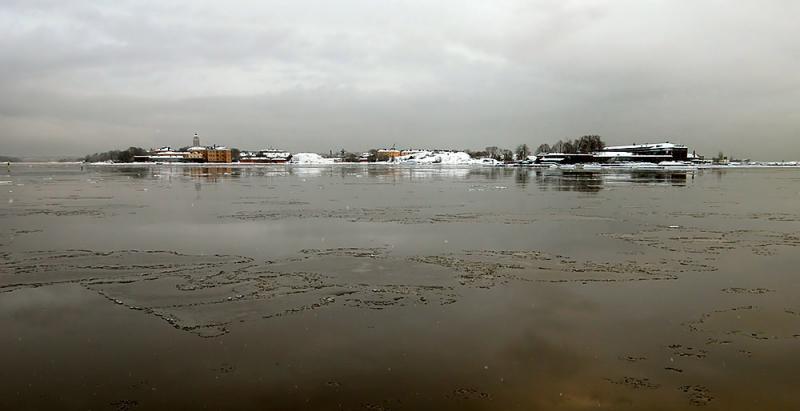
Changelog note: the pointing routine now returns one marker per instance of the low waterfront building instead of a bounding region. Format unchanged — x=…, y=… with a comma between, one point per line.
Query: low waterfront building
x=644, y=153
x=268, y=156
x=388, y=154
x=196, y=154
x=655, y=152
x=167, y=154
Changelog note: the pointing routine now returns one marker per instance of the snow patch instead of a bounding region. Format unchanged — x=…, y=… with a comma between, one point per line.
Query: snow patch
x=310, y=158
x=429, y=157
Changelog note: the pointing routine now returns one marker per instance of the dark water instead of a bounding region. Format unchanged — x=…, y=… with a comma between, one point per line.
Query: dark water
x=396, y=288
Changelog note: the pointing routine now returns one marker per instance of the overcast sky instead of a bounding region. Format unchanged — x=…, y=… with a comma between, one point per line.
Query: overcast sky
x=82, y=76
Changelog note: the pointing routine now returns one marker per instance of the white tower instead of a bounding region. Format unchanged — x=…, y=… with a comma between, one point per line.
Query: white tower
x=196, y=140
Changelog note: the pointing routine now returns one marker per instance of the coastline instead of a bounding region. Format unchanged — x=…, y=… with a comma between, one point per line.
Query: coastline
x=584, y=168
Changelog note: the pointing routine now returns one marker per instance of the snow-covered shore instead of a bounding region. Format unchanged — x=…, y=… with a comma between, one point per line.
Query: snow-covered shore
x=310, y=158
x=429, y=159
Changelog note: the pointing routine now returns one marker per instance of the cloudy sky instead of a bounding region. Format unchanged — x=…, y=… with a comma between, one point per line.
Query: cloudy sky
x=81, y=76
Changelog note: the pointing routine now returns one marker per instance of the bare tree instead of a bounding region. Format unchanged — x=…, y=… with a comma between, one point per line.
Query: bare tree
x=350, y=157
x=373, y=155
x=584, y=144
x=523, y=151
x=543, y=148
x=588, y=144
x=493, y=152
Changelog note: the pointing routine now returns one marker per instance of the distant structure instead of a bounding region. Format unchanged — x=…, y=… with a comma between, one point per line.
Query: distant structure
x=644, y=153
x=650, y=152
x=388, y=154
x=268, y=156
x=217, y=154
x=194, y=154
x=164, y=154
x=213, y=154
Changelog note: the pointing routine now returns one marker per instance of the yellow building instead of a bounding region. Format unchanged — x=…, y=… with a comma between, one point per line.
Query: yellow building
x=387, y=154
x=196, y=156
x=200, y=154
x=217, y=155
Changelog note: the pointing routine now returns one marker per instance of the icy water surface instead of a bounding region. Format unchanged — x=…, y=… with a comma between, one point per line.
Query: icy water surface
x=378, y=288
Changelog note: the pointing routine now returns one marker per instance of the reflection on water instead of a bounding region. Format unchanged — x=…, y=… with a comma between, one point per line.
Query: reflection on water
x=585, y=182
x=594, y=181
x=545, y=179
x=211, y=174
x=673, y=178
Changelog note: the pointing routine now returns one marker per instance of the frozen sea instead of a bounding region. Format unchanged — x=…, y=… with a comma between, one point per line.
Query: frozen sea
x=359, y=287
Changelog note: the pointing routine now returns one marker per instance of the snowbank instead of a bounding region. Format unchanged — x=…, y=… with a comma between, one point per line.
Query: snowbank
x=428, y=157
x=310, y=158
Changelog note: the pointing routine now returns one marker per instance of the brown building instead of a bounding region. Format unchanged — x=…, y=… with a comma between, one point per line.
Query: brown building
x=217, y=155
x=388, y=154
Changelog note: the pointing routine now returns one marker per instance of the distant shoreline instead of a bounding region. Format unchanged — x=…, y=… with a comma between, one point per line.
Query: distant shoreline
x=586, y=168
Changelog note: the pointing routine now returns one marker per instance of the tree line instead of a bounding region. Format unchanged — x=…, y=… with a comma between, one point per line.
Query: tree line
x=584, y=144
x=117, y=156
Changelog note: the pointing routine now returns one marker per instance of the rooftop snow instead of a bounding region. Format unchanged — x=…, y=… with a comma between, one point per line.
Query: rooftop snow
x=647, y=145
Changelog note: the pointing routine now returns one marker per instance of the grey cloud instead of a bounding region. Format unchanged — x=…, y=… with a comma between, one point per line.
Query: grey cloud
x=315, y=75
